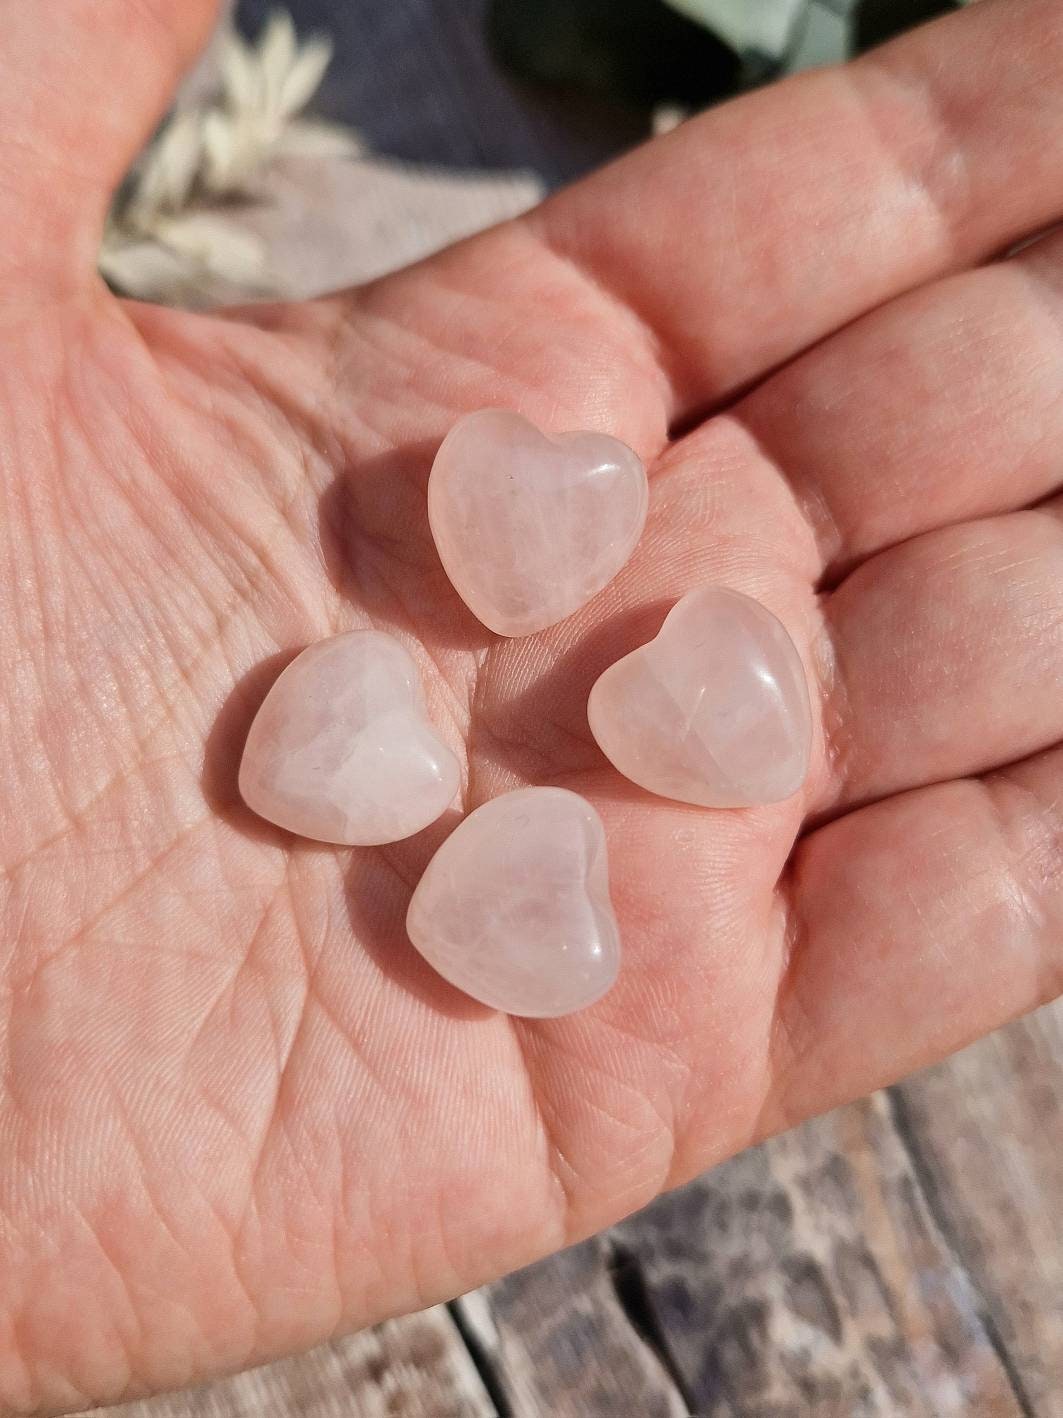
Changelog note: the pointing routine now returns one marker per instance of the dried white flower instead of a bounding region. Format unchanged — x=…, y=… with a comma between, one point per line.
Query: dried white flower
x=166, y=238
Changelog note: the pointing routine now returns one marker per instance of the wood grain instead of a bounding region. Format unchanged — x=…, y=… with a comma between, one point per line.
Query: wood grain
x=986, y=1133
x=561, y=1340
x=417, y=1367
x=809, y=1276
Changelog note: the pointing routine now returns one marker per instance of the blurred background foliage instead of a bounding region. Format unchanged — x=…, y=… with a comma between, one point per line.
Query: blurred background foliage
x=687, y=52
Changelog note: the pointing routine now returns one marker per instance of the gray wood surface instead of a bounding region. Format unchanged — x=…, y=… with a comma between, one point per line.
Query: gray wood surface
x=901, y=1256
x=417, y=1367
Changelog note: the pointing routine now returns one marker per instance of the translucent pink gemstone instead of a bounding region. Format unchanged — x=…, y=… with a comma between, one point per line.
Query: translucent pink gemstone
x=341, y=750
x=530, y=527
x=514, y=908
x=713, y=711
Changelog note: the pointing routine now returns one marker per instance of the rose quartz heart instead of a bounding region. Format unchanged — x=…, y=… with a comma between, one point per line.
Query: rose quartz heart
x=530, y=527
x=713, y=711
x=514, y=908
x=341, y=750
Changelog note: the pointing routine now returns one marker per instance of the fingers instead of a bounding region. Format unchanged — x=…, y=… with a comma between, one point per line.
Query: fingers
x=82, y=85
x=920, y=924
x=756, y=229
x=947, y=657
x=942, y=406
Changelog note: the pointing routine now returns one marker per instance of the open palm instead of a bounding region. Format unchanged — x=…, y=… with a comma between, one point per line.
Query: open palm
x=237, y=1112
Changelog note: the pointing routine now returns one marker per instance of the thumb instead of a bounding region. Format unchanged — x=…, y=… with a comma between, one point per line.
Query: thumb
x=82, y=85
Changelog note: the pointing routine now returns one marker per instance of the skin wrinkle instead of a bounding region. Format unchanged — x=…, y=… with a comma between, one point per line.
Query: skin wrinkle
x=228, y=1239
x=790, y=1021
x=801, y=544
x=136, y=1147
x=262, y=572
x=142, y=1382
x=285, y=1055
x=487, y=743
x=563, y=1176
x=450, y=340
x=1049, y=852
x=179, y=657
x=937, y=143
x=997, y=786
x=136, y=1383
x=836, y=718
x=456, y=706
x=531, y=1039
x=86, y=930
x=261, y=449
x=216, y=632
x=457, y=709
x=219, y=626
x=247, y=963
x=128, y=1336
x=76, y=825
x=429, y=345
x=25, y=506
x=310, y=1175
x=614, y=308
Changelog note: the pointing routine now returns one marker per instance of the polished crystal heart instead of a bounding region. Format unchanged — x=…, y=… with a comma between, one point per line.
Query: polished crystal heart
x=341, y=750
x=530, y=527
x=514, y=907
x=713, y=711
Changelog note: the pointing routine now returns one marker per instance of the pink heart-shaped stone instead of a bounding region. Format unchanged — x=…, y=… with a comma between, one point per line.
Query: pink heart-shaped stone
x=514, y=908
x=713, y=711
x=341, y=749
x=530, y=527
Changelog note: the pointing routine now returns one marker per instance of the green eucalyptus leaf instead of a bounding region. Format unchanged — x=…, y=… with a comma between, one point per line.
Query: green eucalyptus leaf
x=763, y=26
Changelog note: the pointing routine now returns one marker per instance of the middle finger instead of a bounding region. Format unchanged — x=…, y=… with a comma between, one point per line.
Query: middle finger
x=944, y=405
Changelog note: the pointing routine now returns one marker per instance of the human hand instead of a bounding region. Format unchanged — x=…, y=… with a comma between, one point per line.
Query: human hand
x=237, y=1111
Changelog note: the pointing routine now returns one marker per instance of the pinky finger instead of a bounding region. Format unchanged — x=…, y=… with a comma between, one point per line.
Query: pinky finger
x=921, y=923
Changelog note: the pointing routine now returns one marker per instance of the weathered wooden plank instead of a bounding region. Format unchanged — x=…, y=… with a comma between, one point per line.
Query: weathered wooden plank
x=986, y=1132
x=561, y=1342
x=808, y=1276
x=416, y=1367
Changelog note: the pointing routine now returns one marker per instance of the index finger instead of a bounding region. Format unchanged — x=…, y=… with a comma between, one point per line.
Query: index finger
x=753, y=231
